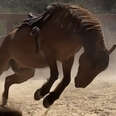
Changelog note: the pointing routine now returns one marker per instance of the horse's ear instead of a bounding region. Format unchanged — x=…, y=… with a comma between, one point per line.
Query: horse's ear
x=31, y=16
x=112, y=49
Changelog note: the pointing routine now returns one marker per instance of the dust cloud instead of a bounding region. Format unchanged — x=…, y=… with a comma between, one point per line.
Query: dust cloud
x=109, y=30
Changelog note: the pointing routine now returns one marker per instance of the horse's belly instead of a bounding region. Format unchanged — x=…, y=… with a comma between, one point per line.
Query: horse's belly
x=32, y=60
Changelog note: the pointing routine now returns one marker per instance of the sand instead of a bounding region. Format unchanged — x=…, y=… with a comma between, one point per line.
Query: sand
x=98, y=99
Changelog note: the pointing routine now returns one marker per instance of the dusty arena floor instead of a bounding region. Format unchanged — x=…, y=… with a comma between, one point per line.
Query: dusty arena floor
x=98, y=99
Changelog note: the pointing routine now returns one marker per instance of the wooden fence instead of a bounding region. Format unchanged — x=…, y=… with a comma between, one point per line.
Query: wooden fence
x=13, y=19
x=10, y=20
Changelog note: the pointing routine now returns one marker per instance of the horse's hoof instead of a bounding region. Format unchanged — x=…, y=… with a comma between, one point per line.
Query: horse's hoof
x=37, y=95
x=46, y=103
x=49, y=100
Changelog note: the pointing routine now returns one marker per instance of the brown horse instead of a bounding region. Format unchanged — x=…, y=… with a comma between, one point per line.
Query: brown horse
x=65, y=30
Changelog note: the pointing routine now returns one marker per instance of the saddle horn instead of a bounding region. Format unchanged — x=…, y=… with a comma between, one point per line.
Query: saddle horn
x=112, y=49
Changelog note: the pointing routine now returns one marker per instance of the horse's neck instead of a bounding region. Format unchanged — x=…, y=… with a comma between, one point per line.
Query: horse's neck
x=93, y=47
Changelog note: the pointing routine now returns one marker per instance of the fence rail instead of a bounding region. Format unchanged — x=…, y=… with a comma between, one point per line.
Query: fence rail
x=13, y=19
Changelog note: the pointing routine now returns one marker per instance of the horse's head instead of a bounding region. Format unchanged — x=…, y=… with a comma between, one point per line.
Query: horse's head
x=90, y=67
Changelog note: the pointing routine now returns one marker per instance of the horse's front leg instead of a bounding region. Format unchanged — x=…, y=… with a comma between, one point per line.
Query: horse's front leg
x=47, y=86
x=67, y=65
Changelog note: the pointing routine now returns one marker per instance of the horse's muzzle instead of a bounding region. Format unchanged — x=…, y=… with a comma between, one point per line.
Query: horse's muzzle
x=80, y=85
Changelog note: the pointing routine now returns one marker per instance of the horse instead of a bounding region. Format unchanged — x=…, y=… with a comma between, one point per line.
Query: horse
x=64, y=31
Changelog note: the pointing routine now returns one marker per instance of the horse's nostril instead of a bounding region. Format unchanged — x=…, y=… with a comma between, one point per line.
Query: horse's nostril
x=76, y=85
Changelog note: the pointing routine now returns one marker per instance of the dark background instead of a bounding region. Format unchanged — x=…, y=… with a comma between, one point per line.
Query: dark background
x=98, y=6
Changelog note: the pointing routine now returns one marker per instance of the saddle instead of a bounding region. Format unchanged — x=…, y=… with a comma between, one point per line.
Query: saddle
x=36, y=23
x=31, y=19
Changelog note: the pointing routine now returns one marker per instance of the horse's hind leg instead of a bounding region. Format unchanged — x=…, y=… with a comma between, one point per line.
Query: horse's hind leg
x=4, y=61
x=20, y=75
x=47, y=86
x=67, y=66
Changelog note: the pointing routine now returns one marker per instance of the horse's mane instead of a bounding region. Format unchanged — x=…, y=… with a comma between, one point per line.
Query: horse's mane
x=73, y=17
x=70, y=18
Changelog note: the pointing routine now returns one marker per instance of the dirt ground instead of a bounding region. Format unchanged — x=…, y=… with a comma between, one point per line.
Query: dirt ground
x=98, y=99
